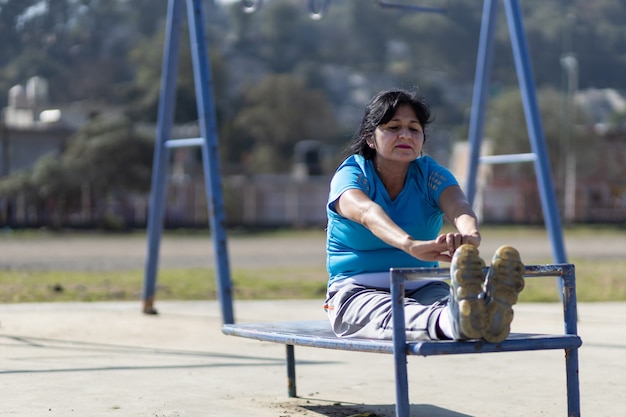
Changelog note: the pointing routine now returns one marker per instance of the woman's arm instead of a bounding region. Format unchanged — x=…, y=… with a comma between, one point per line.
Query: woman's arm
x=355, y=205
x=457, y=209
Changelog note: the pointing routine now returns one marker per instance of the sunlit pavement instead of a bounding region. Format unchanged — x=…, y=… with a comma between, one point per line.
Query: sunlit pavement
x=92, y=359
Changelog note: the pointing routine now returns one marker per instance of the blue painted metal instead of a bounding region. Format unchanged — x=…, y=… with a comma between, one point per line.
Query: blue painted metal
x=319, y=334
x=411, y=7
x=570, y=341
x=184, y=143
x=507, y=159
x=535, y=129
x=526, y=81
x=318, y=8
x=514, y=343
x=210, y=155
x=208, y=143
x=399, y=345
x=165, y=119
x=291, y=372
x=479, y=98
x=571, y=327
x=314, y=333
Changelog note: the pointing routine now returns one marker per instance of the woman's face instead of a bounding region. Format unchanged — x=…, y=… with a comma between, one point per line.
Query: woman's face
x=400, y=139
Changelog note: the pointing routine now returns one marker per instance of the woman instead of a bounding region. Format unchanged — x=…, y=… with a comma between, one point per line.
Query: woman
x=385, y=209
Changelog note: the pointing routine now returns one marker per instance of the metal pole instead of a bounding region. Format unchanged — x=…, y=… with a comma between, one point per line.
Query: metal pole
x=291, y=372
x=159, y=166
x=570, y=64
x=399, y=344
x=210, y=156
x=535, y=129
x=479, y=99
x=571, y=355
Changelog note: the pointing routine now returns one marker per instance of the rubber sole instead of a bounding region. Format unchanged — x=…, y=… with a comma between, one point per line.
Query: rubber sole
x=503, y=284
x=467, y=281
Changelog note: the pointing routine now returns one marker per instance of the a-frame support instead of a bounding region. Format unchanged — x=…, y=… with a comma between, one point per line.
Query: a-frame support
x=533, y=121
x=207, y=142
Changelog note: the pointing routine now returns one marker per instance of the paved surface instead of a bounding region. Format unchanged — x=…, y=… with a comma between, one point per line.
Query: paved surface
x=108, y=359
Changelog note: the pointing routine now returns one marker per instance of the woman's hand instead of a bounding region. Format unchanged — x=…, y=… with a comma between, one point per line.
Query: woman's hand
x=455, y=240
x=430, y=250
x=442, y=248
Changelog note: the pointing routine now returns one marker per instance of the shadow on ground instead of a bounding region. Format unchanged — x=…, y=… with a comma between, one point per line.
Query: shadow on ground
x=362, y=410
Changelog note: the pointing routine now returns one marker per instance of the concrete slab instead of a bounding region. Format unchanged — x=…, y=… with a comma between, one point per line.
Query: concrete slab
x=108, y=359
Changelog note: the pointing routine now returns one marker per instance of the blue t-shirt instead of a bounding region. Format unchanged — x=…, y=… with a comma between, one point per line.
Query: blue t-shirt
x=351, y=248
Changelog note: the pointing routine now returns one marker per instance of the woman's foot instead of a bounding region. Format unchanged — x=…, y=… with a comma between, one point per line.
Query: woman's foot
x=503, y=284
x=467, y=305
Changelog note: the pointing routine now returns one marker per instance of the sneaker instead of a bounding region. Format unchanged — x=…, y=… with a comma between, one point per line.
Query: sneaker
x=467, y=304
x=503, y=284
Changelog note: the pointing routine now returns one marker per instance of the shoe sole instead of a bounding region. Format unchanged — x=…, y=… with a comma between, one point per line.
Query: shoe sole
x=504, y=283
x=467, y=284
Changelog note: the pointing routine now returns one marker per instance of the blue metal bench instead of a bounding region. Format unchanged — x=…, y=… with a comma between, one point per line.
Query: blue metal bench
x=319, y=334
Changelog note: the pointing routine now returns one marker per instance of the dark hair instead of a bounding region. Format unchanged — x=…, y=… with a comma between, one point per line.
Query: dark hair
x=380, y=110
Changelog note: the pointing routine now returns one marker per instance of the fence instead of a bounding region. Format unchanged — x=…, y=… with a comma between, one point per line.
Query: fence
x=265, y=201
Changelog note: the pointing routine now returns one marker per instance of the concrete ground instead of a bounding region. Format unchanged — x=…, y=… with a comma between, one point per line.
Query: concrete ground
x=108, y=359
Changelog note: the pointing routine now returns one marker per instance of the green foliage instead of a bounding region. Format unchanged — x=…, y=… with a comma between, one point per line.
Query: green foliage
x=597, y=279
x=618, y=120
x=111, y=52
x=20, y=182
x=104, y=157
x=596, y=282
x=108, y=154
x=174, y=284
x=277, y=113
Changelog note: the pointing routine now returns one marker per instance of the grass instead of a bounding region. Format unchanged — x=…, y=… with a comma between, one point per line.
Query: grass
x=596, y=280
x=172, y=284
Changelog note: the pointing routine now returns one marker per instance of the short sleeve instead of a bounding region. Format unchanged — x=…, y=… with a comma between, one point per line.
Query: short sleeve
x=438, y=179
x=349, y=175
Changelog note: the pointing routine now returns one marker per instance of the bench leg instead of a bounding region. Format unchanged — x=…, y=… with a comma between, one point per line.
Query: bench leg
x=402, y=387
x=573, y=388
x=291, y=372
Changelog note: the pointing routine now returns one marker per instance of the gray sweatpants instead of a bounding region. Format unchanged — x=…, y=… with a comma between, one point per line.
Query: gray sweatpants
x=365, y=312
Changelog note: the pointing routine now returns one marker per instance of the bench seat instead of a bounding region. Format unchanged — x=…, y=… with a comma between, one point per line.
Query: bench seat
x=318, y=334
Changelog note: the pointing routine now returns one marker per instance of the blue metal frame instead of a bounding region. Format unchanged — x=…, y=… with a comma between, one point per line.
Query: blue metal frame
x=208, y=140
x=319, y=334
x=412, y=8
x=208, y=143
x=570, y=342
x=533, y=120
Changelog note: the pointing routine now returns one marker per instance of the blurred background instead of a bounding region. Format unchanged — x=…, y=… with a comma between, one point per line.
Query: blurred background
x=79, y=90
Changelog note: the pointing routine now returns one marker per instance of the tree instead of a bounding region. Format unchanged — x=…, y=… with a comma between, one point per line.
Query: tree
x=277, y=113
x=79, y=46
x=104, y=157
x=109, y=154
